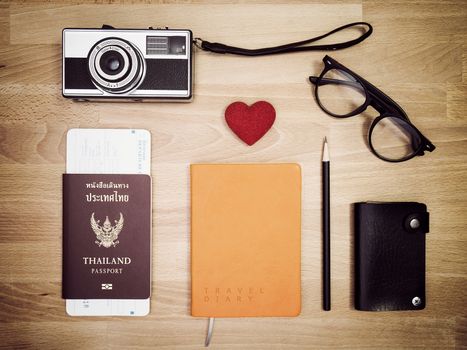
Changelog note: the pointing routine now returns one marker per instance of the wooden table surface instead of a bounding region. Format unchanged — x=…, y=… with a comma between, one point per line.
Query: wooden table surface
x=417, y=55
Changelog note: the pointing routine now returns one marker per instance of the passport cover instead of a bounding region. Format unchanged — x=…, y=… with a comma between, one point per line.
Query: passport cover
x=390, y=256
x=106, y=236
x=245, y=240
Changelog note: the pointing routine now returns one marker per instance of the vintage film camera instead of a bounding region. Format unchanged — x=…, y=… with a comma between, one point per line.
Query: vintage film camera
x=127, y=64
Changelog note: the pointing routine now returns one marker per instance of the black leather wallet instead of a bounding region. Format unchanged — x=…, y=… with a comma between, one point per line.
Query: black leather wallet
x=390, y=255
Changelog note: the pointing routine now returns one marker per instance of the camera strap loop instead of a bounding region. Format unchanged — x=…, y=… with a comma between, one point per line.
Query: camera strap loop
x=292, y=47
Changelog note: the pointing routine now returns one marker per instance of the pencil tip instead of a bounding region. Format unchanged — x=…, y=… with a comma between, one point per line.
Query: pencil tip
x=325, y=151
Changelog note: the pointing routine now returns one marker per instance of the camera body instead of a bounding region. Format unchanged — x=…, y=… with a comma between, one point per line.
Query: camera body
x=127, y=64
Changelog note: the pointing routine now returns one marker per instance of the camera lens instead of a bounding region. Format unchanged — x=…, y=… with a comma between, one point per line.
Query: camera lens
x=111, y=62
x=116, y=66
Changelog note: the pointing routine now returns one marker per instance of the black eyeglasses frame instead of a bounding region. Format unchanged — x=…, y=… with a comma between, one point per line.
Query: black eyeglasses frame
x=375, y=98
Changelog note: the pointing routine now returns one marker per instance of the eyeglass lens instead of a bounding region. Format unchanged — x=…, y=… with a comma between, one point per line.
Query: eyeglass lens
x=339, y=93
x=395, y=139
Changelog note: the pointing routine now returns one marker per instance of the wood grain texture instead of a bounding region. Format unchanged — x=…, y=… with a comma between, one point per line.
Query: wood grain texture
x=417, y=55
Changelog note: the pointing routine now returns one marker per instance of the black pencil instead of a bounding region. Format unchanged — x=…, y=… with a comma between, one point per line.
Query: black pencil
x=326, y=231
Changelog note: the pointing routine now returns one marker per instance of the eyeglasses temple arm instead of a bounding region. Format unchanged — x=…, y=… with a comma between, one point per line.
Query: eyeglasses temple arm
x=313, y=79
x=325, y=81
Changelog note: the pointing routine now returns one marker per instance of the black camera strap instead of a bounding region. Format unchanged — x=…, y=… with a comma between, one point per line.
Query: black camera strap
x=292, y=47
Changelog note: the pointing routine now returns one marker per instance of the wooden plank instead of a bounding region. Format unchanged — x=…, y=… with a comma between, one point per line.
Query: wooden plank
x=29, y=304
x=4, y=24
x=417, y=21
x=281, y=22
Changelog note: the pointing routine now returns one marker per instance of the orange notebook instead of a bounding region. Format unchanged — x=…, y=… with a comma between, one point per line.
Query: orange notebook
x=245, y=240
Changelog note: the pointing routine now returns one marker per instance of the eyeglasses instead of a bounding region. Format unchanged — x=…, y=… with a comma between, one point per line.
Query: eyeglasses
x=392, y=137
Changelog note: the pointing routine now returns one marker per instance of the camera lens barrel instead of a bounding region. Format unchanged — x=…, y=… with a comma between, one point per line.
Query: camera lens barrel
x=116, y=66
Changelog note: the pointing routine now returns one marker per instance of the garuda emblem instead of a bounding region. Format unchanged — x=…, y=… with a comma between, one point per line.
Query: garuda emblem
x=107, y=234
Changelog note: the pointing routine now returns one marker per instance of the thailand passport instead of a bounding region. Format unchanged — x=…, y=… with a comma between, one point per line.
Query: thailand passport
x=390, y=255
x=106, y=236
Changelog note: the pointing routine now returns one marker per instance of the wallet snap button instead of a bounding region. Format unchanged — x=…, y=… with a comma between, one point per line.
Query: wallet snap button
x=416, y=301
x=414, y=223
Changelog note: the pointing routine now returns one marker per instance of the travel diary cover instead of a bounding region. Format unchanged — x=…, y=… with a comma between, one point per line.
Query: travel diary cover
x=245, y=240
x=390, y=255
x=106, y=236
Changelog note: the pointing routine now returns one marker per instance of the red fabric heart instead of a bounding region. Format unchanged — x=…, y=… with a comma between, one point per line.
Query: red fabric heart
x=250, y=123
